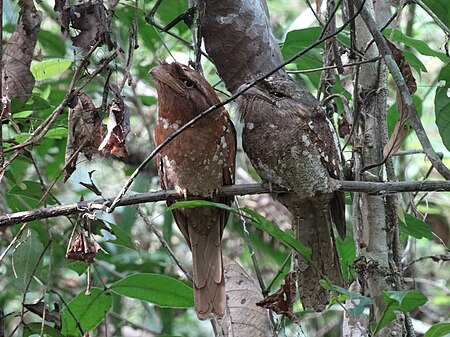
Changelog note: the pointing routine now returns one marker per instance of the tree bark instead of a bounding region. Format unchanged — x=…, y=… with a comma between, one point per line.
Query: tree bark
x=371, y=109
x=239, y=39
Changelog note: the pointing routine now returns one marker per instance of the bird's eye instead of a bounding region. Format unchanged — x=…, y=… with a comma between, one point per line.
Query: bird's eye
x=188, y=83
x=277, y=94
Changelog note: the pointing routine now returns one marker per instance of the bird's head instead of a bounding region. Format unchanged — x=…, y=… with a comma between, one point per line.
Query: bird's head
x=182, y=90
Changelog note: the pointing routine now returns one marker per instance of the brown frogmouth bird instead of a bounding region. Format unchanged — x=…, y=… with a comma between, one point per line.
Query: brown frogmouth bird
x=199, y=161
x=293, y=145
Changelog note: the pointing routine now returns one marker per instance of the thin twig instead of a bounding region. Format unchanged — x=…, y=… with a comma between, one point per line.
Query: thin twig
x=313, y=70
x=163, y=242
x=435, y=258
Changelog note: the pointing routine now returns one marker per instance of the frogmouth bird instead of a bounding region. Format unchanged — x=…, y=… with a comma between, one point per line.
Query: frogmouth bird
x=199, y=161
x=292, y=144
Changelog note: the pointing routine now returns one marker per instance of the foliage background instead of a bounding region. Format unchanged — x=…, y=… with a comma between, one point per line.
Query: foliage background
x=36, y=266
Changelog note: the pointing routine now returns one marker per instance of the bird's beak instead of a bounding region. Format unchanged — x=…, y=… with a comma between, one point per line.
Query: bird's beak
x=160, y=74
x=254, y=92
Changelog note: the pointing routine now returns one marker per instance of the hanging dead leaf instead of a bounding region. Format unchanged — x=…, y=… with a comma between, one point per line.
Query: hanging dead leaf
x=17, y=80
x=90, y=19
x=242, y=318
x=83, y=248
x=404, y=66
x=344, y=127
x=118, y=126
x=401, y=129
x=395, y=142
x=282, y=301
x=85, y=131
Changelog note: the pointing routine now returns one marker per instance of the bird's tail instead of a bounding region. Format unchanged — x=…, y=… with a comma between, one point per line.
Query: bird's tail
x=313, y=226
x=209, y=283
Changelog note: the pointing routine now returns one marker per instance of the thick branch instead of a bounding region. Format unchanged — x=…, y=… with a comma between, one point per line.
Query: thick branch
x=244, y=189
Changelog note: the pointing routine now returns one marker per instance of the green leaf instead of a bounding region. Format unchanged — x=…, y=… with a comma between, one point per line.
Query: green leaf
x=161, y=290
x=298, y=40
x=47, y=69
x=200, y=203
x=28, y=191
x=36, y=329
x=26, y=257
x=441, y=8
x=359, y=301
x=414, y=61
x=347, y=255
x=287, y=239
x=438, y=330
x=52, y=44
x=34, y=103
x=89, y=311
x=122, y=238
x=442, y=106
x=404, y=301
x=421, y=46
x=415, y=227
x=56, y=133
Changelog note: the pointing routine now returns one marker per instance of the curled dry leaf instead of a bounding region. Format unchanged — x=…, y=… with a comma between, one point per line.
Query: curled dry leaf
x=90, y=19
x=17, y=80
x=242, y=318
x=344, y=127
x=401, y=128
x=395, y=142
x=118, y=126
x=85, y=131
x=83, y=248
x=282, y=301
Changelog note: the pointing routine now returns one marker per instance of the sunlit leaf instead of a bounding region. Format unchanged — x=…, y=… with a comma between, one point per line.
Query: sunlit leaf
x=161, y=290
x=404, y=301
x=442, y=106
x=415, y=227
x=49, y=68
x=439, y=330
x=89, y=311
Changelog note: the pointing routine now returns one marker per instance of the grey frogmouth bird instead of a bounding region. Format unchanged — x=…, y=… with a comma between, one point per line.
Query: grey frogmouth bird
x=293, y=145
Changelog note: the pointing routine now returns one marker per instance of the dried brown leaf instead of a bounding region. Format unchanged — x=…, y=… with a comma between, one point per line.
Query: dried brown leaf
x=85, y=131
x=242, y=318
x=283, y=299
x=17, y=79
x=83, y=248
x=404, y=66
x=398, y=135
x=344, y=126
x=89, y=19
x=118, y=127
x=401, y=129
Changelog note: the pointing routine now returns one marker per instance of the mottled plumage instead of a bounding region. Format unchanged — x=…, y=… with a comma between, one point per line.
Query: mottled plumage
x=292, y=144
x=199, y=161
